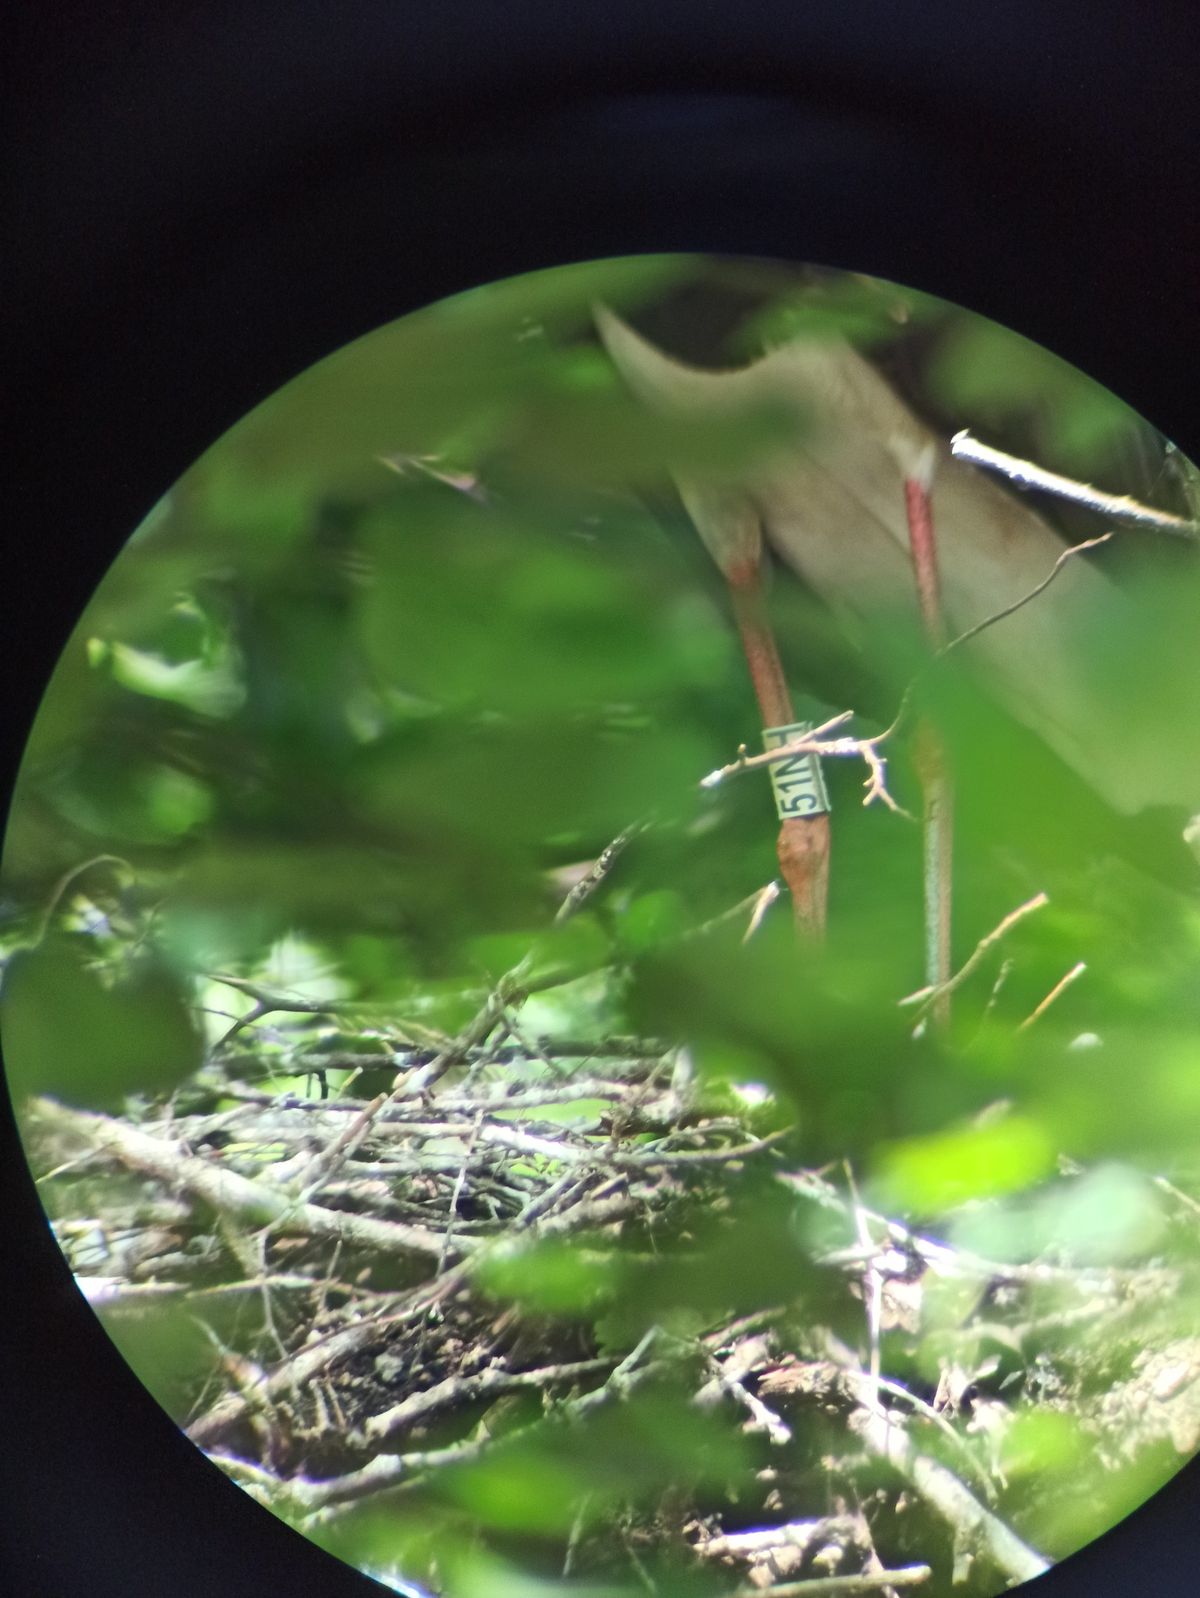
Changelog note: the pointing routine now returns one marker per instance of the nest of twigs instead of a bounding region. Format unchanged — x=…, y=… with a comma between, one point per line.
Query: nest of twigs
x=339, y=1252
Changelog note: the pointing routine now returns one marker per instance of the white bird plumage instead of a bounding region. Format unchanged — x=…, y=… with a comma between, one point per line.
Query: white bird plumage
x=831, y=505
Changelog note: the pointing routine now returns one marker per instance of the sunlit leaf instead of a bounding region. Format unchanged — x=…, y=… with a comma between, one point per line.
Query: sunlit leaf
x=937, y=1172
x=552, y=1278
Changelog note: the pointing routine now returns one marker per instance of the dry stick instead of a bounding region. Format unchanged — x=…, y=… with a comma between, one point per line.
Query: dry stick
x=253, y=1203
x=981, y=626
x=600, y=868
x=933, y=769
x=417, y=1408
x=947, y=1260
x=763, y=900
x=1185, y=1199
x=800, y=1535
x=764, y=1548
x=817, y=743
x=927, y=997
x=813, y=741
x=1019, y=604
x=949, y=1497
x=1060, y=986
x=803, y=843
x=305, y=1498
x=456, y=1194
x=754, y=907
x=872, y=1284
x=510, y=989
x=266, y=1002
x=1026, y=475
x=946, y=1494
x=865, y=1581
x=314, y=1358
x=325, y=1164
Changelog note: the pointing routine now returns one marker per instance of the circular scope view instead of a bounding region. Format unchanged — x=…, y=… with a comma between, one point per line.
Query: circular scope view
x=601, y=945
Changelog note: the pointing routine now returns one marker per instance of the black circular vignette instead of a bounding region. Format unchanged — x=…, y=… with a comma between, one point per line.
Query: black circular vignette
x=206, y=199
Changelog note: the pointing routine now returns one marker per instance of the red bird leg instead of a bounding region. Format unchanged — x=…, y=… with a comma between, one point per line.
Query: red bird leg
x=803, y=843
x=937, y=815
x=924, y=549
x=933, y=770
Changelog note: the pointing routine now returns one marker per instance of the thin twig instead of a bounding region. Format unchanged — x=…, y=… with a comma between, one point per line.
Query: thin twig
x=926, y=996
x=751, y=906
x=1188, y=1202
x=864, y=1581
x=762, y=1417
x=1019, y=604
x=815, y=743
x=418, y=1408
x=979, y=627
x=948, y=1260
x=314, y=1358
x=58, y=892
x=949, y=1497
x=797, y=1535
x=511, y=988
x=1060, y=986
x=621, y=1050
x=396, y=1471
x=1026, y=475
x=867, y=749
x=811, y=743
x=253, y=1203
x=649, y=1157
x=600, y=869
x=325, y=1164
x=872, y=1281
x=763, y=900
x=267, y=1001
x=456, y=1193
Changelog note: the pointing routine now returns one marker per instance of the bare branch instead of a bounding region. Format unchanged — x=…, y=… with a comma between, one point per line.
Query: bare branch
x=1019, y=604
x=763, y=900
x=926, y=997
x=816, y=743
x=417, y=1408
x=1060, y=986
x=865, y=1581
x=254, y=1203
x=949, y=1497
x=1026, y=475
x=601, y=867
x=811, y=743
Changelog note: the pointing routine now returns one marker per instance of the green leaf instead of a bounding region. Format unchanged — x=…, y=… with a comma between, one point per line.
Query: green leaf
x=932, y=1174
x=65, y=1033
x=205, y=674
x=551, y=1278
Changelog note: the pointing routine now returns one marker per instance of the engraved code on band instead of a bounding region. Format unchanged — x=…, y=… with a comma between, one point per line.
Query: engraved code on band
x=798, y=782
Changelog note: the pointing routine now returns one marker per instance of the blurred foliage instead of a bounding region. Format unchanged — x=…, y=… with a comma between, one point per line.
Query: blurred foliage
x=71, y=1032
x=408, y=643
x=988, y=372
x=619, y=1455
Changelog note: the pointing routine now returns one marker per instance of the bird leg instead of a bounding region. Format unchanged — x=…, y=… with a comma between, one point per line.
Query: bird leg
x=803, y=843
x=937, y=816
x=933, y=770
